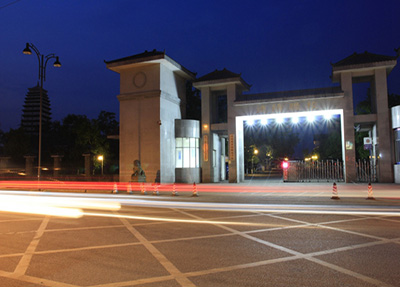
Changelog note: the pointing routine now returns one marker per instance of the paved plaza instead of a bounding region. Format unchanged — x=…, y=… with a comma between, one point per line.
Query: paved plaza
x=180, y=246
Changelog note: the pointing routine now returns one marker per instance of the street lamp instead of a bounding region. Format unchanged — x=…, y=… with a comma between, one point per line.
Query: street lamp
x=42, y=77
x=101, y=158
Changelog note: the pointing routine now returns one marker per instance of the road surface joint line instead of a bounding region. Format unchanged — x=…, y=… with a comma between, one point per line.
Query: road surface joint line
x=179, y=276
x=301, y=255
x=26, y=258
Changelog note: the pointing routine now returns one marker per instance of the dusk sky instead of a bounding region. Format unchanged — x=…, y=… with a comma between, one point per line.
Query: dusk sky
x=276, y=45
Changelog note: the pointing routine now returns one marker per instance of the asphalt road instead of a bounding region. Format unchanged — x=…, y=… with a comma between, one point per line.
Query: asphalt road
x=181, y=246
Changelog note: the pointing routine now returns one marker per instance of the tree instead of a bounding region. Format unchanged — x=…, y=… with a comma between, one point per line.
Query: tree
x=273, y=142
x=16, y=144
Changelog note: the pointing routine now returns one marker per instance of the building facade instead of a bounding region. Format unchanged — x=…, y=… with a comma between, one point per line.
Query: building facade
x=153, y=128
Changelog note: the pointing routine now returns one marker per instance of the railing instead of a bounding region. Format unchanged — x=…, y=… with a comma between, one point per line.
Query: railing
x=366, y=171
x=325, y=170
x=328, y=170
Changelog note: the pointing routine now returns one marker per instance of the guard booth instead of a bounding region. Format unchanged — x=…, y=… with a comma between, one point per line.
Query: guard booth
x=290, y=171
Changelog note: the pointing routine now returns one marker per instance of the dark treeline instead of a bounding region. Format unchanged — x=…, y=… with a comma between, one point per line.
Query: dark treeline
x=71, y=137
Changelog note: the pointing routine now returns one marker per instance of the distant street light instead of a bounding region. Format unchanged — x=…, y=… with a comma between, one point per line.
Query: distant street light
x=42, y=77
x=255, y=152
x=101, y=158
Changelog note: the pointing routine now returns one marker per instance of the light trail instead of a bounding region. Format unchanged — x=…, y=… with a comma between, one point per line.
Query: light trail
x=150, y=218
x=71, y=204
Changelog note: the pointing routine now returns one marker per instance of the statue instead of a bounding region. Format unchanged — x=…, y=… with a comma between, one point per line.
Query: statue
x=138, y=174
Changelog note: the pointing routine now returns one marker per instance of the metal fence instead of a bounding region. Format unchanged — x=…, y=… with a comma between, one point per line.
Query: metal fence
x=366, y=171
x=328, y=170
x=324, y=170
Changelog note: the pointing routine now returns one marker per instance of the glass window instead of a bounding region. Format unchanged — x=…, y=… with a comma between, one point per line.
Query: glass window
x=185, y=142
x=178, y=159
x=192, y=157
x=397, y=145
x=197, y=157
x=187, y=154
x=178, y=142
x=186, y=158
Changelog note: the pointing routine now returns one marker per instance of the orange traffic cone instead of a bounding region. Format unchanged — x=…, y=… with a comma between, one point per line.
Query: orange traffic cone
x=174, y=192
x=129, y=189
x=195, y=190
x=335, y=192
x=115, y=189
x=142, y=189
x=370, y=192
x=155, y=192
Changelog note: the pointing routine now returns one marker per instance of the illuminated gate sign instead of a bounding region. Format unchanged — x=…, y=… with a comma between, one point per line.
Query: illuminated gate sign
x=231, y=147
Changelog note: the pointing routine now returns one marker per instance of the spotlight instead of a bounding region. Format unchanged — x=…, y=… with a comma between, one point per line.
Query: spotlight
x=250, y=122
x=295, y=120
x=279, y=120
x=264, y=122
x=310, y=118
x=327, y=116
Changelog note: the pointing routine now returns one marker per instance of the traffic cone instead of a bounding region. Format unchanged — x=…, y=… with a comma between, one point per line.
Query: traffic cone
x=142, y=189
x=195, y=194
x=155, y=192
x=174, y=192
x=335, y=192
x=370, y=192
x=129, y=189
x=115, y=189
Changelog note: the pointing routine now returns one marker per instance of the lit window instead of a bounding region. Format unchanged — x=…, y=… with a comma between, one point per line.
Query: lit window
x=187, y=154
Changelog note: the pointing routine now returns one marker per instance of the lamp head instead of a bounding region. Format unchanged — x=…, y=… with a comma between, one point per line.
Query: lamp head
x=27, y=50
x=57, y=63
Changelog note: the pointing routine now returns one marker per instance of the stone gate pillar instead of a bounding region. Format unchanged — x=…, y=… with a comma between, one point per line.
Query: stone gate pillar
x=57, y=164
x=29, y=159
x=88, y=164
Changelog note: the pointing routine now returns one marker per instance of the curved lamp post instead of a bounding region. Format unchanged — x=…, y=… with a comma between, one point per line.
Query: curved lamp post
x=42, y=77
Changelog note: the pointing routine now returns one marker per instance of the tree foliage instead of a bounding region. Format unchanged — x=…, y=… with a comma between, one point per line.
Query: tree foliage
x=74, y=136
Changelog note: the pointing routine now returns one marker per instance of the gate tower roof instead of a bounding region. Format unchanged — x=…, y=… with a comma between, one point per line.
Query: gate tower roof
x=219, y=77
x=153, y=56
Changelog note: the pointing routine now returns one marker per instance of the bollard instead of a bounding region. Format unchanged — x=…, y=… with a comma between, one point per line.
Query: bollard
x=335, y=192
x=115, y=189
x=129, y=189
x=195, y=194
x=370, y=192
x=174, y=192
x=142, y=189
x=155, y=192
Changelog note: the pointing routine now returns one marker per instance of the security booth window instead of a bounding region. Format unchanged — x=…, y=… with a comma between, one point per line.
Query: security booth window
x=397, y=145
x=187, y=153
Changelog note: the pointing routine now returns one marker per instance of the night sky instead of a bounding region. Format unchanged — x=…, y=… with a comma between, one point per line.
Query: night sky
x=276, y=45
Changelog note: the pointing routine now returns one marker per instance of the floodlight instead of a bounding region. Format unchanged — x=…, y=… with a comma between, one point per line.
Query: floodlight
x=310, y=118
x=279, y=120
x=295, y=120
x=250, y=122
x=264, y=121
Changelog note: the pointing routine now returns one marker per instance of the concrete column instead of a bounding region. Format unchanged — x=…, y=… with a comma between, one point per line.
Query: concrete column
x=206, y=135
x=57, y=164
x=235, y=139
x=385, y=168
x=88, y=164
x=348, y=139
x=29, y=164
